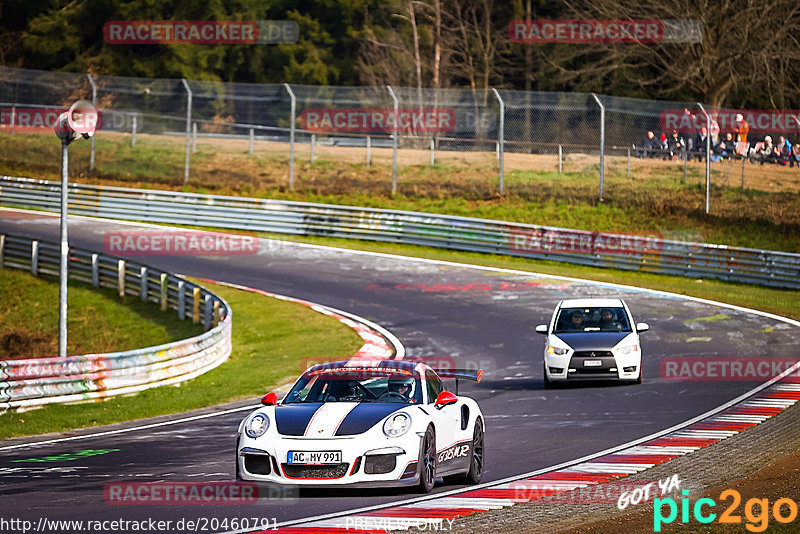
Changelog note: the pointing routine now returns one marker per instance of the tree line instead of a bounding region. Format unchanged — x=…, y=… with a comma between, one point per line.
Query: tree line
x=749, y=54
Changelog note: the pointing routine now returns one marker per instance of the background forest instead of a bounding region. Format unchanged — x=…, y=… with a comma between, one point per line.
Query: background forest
x=749, y=56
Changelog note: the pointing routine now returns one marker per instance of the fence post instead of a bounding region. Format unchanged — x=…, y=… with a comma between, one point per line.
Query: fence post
x=94, y=103
x=207, y=312
x=629, y=163
x=708, y=155
x=13, y=118
x=433, y=148
x=743, y=161
x=121, y=277
x=369, y=146
x=501, y=136
x=291, y=136
x=143, y=289
x=313, y=145
x=194, y=137
x=685, y=163
x=95, y=270
x=2, y=250
x=133, y=132
x=252, y=140
x=188, y=129
x=394, y=140
x=602, y=143
x=560, y=159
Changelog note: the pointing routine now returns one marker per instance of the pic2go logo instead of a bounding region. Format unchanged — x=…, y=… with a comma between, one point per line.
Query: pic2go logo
x=756, y=511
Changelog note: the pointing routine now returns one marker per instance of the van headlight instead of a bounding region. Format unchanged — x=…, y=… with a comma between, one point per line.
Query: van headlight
x=257, y=425
x=397, y=425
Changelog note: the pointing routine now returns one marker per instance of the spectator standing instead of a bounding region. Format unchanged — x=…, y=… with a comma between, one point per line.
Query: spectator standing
x=741, y=129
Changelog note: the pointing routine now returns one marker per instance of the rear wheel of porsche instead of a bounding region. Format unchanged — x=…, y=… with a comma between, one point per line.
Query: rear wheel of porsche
x=475, y=472
x=427, y=461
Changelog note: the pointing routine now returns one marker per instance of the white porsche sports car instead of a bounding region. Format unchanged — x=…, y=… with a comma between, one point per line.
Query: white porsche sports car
x=592, y=339
x=361, y=424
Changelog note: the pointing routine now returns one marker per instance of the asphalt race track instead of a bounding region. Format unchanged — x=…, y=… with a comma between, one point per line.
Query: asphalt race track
x=477, y=316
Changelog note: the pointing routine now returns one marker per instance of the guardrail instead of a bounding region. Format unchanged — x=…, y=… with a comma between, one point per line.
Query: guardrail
x=30, y=383
x=639, y=253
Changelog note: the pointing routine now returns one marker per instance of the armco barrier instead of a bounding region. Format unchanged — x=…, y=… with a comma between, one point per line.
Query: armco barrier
x=645, y=254
x=31, y=383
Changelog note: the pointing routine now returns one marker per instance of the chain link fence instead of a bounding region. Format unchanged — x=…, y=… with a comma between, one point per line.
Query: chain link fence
x=470, y=143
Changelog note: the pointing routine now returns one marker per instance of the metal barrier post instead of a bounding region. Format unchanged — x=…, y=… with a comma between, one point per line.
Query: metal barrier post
x=602, y=142
x=181, y=300
x=394, y=140
x=194, y=137
x=252, y=140
x=95, y=270
x=685, y=164
x=121, y=277
x=2, y=250
x=143, y=289
x=94, y=103
x=207, y=312
x=708, y=156
x=64, y=260
x=560, y=159
x=291, y=136
x=195, y=305
x=369, y=143
x=35, y=258
x=13, y=118
x=501, y=136
x=188, y=129
x=164, y=291
x=432, y=152
x=313, y=144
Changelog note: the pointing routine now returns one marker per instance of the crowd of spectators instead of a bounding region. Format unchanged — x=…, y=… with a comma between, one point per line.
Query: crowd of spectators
x=732, y=145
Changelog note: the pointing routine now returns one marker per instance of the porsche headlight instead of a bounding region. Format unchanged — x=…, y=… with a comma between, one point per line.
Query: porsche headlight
x=558, y=351
x=397, y=425
x=627, y=349
x=257, y=425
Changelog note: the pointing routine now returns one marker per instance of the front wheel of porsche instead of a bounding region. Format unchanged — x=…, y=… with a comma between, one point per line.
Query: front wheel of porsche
x=427, y=461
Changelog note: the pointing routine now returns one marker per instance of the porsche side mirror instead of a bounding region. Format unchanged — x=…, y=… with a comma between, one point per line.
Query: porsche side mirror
x=270, y=399
x=444, y=398
x=541, y=329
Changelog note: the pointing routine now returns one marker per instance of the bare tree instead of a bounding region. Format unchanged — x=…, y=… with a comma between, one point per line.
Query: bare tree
x=747, y=46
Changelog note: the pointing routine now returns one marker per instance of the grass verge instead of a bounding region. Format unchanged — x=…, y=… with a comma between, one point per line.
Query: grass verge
x=270, y=339
x=98, y=320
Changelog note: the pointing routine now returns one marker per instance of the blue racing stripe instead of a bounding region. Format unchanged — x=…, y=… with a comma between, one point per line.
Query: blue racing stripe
x=292, y=419
x=365, y=415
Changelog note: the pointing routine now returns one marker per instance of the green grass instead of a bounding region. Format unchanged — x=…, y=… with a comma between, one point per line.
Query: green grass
x=97, y=319
x=654, y=199
x=271, y=339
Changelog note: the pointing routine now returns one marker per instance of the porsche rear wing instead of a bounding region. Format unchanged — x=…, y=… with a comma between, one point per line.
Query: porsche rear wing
x=460, y=374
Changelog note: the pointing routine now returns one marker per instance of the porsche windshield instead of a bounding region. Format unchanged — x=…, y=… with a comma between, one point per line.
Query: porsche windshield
x=591, y=320
x=357, y=385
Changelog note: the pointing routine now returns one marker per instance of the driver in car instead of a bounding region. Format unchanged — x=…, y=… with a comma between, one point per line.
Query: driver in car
x=400, y=388
x=608, y=321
